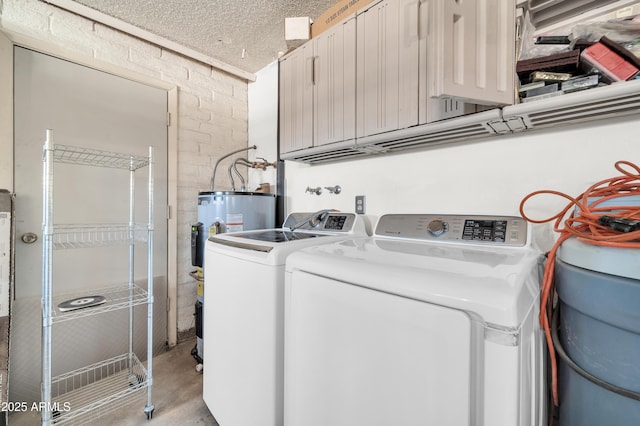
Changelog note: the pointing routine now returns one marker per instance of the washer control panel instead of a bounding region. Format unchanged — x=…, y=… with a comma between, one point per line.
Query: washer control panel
x=322, y=221
x=493, y=230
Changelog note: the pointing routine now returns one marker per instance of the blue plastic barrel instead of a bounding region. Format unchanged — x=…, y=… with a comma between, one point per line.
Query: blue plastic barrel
x=599, y=329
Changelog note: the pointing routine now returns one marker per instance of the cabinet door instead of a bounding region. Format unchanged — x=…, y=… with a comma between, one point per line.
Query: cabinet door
x=432, y=108
x=472, y=50
x=296, y=100
x=335, y=84
x=387, y=52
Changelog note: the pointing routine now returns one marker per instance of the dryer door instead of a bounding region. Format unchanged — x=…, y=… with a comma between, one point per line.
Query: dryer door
x=355, y=356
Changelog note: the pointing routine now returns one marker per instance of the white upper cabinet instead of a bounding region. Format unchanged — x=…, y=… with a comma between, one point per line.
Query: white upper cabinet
x=394, y=66
x=335, y=84
x=471, y=54
x=431, y=72
x=397, y=64
x=318, y=89
x=404, y=73
x=387, y=66
x=296, y=100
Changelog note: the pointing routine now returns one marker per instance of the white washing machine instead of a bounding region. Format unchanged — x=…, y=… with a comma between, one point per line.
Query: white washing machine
x=432, y=321
x=244, y=313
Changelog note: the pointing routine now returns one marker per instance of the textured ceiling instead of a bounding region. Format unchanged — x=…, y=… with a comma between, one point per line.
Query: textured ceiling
x=247, y=34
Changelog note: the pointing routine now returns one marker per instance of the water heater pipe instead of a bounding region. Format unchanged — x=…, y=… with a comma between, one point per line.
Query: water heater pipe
x=234, y=167
x=213, y=176
x=261, y=165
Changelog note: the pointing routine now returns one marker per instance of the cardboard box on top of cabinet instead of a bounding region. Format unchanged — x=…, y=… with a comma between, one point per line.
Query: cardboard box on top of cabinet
x=297, y=31
x=335, y=14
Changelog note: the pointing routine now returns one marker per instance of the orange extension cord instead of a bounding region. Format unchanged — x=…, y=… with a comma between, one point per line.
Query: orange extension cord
x=582, y=222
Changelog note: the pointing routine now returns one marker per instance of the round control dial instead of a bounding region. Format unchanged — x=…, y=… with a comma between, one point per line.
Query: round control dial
x=437, y=227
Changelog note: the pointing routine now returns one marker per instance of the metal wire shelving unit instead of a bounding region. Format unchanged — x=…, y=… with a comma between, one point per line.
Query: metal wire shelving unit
x=78, y=396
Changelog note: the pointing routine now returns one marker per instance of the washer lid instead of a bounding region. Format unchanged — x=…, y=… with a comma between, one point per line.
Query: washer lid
x=498, y=284
x=623, y=262
x=277, y=235
x=272, y=253
x=234, y=193
x=272, y=246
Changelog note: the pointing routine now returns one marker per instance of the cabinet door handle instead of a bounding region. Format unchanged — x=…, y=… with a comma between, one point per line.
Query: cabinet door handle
x=422, y=32
x=314, y=60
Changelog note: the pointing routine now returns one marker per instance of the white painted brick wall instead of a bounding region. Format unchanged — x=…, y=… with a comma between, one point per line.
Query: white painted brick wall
x=212, y=108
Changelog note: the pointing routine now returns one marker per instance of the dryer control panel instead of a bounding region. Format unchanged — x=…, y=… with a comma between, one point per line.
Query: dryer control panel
x=493, y=230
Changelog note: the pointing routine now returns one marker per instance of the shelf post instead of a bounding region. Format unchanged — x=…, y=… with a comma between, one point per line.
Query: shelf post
x=46, y=303
x=131, y=255
x=148, y=409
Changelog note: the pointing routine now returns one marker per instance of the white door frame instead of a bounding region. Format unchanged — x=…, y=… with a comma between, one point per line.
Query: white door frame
x=7, y=42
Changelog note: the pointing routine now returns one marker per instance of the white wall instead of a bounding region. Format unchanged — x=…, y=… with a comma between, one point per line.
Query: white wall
x=212, y=109
x=487, y=177
x=263, y=124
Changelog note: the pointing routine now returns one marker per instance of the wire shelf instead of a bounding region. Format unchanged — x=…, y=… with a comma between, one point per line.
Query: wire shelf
x=118, y=297
x=98, y=389
x=96, y=235
x=95, y=157
x=83, y=394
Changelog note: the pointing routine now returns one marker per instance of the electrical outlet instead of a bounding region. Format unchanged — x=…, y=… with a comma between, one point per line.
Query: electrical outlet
x=360, y=204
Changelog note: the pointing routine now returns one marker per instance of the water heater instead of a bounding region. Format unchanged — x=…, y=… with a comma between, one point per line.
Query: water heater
x=229, y=211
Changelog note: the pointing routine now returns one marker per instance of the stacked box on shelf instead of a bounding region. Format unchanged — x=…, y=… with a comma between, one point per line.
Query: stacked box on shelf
x=612, y=65
x=584, y=67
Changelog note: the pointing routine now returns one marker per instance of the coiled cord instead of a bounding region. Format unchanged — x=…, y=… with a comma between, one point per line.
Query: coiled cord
x=582, y=221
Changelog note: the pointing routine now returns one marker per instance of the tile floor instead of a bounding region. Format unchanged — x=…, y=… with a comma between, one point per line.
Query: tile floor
x=176, y=394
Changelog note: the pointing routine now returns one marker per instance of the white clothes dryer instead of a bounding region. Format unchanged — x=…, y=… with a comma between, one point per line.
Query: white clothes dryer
x=432, y=321
x=243, y=323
